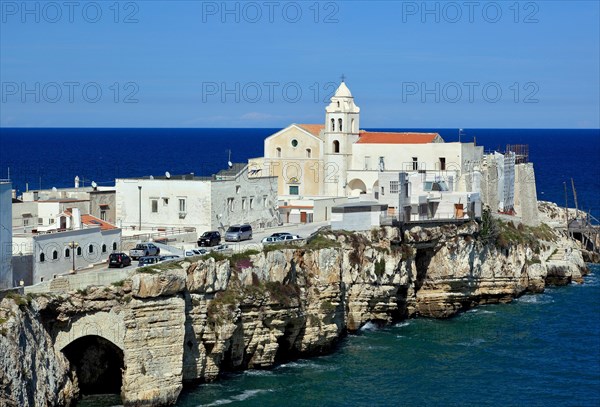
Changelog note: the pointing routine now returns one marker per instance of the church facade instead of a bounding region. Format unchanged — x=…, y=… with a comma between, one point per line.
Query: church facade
x=337, y=159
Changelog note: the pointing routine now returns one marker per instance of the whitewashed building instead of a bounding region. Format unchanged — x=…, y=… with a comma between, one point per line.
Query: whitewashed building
x=204, y=203
x=338, y=159
x=78, y=242
x=6, y=275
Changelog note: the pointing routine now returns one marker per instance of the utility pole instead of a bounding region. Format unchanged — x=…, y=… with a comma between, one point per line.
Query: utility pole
x=566, y=207
x=140, y=202
x=575, y=197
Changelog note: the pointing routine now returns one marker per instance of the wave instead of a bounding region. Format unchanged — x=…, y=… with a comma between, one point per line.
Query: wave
x=540, y=299
x=239, y=397
x=369, y=326
x=402, y=324
x=474, y=342
x=258, y=372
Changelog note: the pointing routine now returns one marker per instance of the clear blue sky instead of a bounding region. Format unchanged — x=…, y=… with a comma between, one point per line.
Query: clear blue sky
x=184, y=63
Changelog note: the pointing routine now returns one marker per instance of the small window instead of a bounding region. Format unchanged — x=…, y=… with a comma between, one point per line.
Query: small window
x=230, y=204
x=294, y=190
x=165, y=201
x=332, y=124
x=54, y=255
x=154, y=206
x=338, y=104
x=114, y=245
x=340, y=124
x=294, y=143
x=251, y=203
x=265, y=201
x=394, y=187
x=103, y=248
x=238, y=189
x=91, y=248
x=67, y=253
x=415, y=163
x=103, y=215
x=244, y=203
x=278, y=152
x=308, y=153
x=79, y=251
x=336, y=146
x=51, y=222
x=442, y=163
x=382, y=191
x=25, y=222
x=42, y=257
x=40, y=221
x=182, y=205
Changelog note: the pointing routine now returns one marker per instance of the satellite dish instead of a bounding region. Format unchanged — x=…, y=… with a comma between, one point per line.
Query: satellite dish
x=230, y=164
x=94, y=185
x=54, y=189
x=168, y=175
x=151, y=177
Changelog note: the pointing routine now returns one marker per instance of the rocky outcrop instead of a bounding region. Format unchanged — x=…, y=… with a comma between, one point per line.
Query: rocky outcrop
x=30, y=375
x=252, y=310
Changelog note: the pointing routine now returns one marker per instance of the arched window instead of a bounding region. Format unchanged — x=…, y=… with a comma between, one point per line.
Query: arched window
x=79, y=251
x=340, y=124
x=103, y=248
x=308, y=152
x=54, y=255
x=91, y=248
x=67, y=252
x=279, y=152
x=114, y=245
x=352, y=126
x=336, y=146
x=332, y=124
x=42, y=257
x=338, y=103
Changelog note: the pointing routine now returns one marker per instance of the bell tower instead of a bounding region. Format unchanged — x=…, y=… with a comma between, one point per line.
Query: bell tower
x=342, y=121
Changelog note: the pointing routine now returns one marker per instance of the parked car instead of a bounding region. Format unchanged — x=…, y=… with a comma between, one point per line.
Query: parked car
x=280, y=234
x=144, y=249
x=195, y=252
x=119, y=260
x=169, y=257
x=271, y=239
x=289, y=238
x=212, y=238
x=222, y=248
x=237, y=233
x=145, y=260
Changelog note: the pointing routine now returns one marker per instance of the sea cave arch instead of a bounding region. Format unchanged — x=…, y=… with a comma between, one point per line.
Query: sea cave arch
x=98, y=363
x=357, y=187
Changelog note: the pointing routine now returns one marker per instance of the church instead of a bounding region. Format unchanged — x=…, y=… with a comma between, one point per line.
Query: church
x=319, y=162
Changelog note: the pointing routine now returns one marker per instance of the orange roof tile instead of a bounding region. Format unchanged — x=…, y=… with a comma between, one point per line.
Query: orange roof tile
x=371, y=137
x=94, y=221
x=314, y=129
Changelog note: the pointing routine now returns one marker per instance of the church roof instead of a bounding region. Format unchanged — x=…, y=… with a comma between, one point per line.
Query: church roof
x=314, y=129
x=343, y=91
x=371, y=137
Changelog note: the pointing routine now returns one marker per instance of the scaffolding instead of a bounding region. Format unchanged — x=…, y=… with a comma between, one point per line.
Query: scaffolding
x=521, y=152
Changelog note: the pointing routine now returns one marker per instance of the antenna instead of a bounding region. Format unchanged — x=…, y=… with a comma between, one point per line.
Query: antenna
x=168, y=175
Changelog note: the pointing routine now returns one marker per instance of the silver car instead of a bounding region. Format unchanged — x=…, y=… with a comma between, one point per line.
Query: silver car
x=237, y=233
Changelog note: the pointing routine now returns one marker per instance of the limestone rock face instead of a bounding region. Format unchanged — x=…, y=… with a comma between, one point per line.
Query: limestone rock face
x=251, y=311
x=30, y=375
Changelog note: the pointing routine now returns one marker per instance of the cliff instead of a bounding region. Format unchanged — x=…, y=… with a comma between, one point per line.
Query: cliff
x=193, y=320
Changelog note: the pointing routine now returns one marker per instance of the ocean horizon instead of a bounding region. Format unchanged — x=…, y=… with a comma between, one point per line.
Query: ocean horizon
x=42, y=158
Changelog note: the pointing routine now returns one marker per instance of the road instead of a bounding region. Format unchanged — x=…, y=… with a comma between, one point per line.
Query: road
x=303, y=230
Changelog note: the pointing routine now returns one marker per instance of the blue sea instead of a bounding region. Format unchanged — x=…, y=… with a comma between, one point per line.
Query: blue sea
x=46, y=158
x=540, y=350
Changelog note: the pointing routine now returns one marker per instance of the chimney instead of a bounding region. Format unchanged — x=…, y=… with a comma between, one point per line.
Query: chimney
x=77, y=181
x=76, y=218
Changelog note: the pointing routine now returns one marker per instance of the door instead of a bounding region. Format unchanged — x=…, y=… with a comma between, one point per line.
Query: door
x=302, y=217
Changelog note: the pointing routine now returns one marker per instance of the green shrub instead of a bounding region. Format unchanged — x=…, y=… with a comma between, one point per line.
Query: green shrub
x=380, y=267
